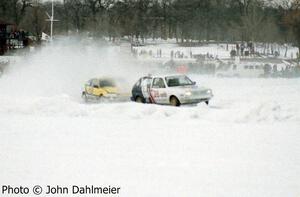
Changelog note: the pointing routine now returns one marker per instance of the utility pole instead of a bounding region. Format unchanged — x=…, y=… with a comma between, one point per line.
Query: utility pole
x=51, y=19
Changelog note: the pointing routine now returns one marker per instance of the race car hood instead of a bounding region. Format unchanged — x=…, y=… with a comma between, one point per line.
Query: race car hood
x=111, y=90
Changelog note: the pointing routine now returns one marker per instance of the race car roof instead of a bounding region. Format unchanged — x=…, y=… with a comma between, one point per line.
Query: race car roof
x=163, y=76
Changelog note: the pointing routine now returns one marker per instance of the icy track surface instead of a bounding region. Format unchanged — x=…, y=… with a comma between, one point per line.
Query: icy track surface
x=245, y=143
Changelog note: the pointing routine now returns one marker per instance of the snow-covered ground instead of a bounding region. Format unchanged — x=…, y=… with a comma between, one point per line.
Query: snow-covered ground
x=245, y=143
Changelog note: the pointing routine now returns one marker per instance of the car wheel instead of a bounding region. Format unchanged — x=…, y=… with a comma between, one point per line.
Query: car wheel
x=174, y=101
x=139, y=99
x=207, y=102
x=100, y=98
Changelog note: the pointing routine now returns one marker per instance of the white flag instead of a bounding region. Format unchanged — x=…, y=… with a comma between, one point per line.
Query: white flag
x=45, y=37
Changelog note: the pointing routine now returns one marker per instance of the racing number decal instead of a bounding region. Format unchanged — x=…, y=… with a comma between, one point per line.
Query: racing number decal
x=153, y=94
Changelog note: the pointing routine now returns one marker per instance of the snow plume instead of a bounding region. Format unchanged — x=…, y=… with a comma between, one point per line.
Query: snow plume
x=64, y=66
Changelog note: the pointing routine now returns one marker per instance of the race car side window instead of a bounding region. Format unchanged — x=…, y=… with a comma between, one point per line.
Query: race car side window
x=158, y=83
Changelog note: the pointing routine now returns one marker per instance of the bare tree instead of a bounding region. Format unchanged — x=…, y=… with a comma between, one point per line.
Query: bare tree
x=19, y=9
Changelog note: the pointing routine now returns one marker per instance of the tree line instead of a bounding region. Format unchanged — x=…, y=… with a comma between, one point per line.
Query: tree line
x=185, y=20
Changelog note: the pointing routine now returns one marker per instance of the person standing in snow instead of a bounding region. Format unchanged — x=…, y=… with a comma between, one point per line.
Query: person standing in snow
x=242, y=49
x=238, y=49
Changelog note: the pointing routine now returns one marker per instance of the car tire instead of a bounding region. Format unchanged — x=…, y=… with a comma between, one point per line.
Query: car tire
x=100, y=98
x=174, y=101
x=207, y=102
x=139, y=99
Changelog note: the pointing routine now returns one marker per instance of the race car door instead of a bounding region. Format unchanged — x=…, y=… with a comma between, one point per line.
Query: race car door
x=145, y=87
x=158, y=91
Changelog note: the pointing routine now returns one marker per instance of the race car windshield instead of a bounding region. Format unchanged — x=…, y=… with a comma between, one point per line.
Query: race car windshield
x=106, y=83
x=178, y=81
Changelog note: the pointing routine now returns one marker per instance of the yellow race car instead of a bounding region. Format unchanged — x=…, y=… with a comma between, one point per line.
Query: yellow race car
x=100, y=89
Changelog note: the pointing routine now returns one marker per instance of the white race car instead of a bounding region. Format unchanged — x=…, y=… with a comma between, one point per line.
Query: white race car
x=169, y=90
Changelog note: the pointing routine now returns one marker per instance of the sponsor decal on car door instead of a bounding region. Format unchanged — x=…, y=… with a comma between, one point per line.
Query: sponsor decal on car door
x=158, y=91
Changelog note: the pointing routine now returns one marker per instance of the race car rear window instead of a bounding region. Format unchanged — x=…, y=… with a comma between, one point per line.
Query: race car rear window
x=138, y=83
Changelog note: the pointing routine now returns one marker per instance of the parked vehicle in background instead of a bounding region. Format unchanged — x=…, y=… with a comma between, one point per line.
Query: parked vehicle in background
x=172, y=90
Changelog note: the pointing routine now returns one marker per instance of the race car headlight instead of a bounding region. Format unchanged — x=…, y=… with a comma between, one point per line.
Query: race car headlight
x=188, y=93
x=209, y=92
